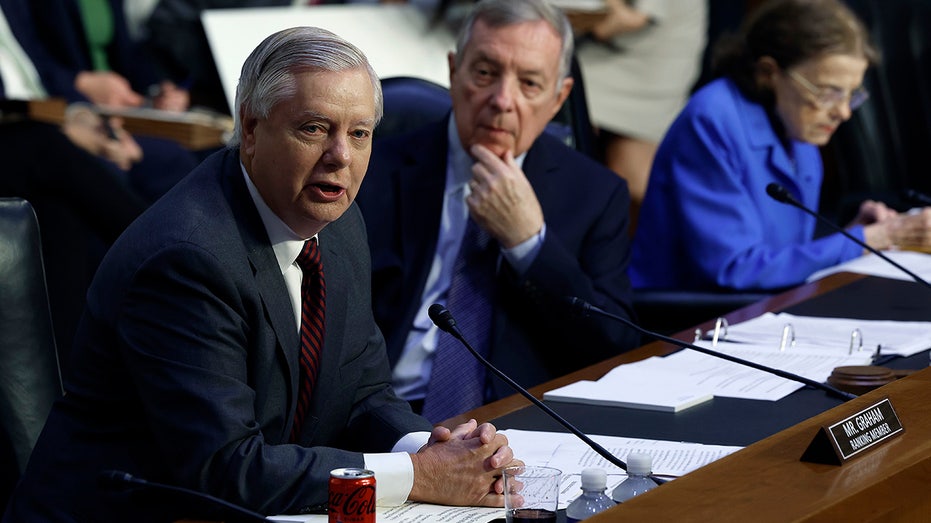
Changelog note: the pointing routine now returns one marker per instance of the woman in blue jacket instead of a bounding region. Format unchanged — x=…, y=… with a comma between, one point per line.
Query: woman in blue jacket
x=787, y=81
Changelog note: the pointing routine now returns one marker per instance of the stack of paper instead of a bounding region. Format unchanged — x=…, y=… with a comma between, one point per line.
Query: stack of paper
x=872, y=265
x=629, y=387
x=684, y=378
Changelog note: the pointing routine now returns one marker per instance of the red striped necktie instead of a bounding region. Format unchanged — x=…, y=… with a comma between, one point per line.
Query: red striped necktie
x=313, y=314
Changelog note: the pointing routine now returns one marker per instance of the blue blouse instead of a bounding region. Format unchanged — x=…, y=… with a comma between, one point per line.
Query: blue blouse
x=706, y=222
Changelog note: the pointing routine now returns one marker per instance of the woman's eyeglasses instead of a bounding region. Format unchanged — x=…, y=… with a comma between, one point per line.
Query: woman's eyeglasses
x=830, y=97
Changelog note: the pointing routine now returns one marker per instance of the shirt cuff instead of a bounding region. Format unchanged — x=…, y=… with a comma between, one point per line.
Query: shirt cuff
x=522, y=255
x=394, y=471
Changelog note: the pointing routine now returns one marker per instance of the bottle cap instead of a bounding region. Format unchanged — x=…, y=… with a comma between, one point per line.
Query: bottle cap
x=639, y=463
x=594, y=479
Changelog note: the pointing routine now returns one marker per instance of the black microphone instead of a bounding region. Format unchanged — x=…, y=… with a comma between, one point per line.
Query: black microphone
x=583, y=307
x=190, y=503
x=780, y=194
x=443, y=319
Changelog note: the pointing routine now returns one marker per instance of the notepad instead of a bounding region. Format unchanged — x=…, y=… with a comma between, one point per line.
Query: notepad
x=638, y=396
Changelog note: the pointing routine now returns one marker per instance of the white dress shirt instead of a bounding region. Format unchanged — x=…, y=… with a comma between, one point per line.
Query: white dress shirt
x=20, y=79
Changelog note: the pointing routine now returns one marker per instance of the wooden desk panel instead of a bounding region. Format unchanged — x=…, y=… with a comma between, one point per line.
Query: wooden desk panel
x=767, y=482
x=194, y=131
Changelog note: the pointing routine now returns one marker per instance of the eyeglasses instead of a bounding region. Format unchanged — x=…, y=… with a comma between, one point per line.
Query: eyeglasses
x=830, y=97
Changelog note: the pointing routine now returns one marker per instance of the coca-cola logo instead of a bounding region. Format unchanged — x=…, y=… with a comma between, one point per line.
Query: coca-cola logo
x=359, y=501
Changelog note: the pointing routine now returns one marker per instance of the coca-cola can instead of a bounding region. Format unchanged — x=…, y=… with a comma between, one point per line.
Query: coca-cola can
x=352, y=496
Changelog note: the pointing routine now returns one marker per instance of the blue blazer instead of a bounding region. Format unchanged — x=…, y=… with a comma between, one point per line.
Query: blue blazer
x=185, y=368
x=706, y=221
x=535, y=337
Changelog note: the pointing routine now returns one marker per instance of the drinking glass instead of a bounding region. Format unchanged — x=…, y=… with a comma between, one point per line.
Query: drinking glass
x=531, y=494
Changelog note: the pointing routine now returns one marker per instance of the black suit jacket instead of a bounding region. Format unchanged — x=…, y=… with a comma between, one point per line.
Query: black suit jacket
x=64, y=50
x=534, y=337
x=185, y=367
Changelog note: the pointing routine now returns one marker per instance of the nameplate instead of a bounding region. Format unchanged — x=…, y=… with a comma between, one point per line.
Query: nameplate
x=853, y=435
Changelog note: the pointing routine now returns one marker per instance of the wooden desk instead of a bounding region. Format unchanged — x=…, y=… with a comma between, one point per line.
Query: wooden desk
x=195, y=131
x=767, y=482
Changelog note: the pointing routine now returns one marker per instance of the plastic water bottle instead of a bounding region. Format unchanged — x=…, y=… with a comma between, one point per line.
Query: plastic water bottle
x=639, y=468
x=593, y=499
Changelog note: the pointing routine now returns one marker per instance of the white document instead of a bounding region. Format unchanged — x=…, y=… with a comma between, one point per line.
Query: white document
x=579, y=5
x=629, y=387
x=412, y=513
x=838, y=335
x=570, y=455
x=872, y=265
x=689, y=370
x=398, y=39
x=733, y=380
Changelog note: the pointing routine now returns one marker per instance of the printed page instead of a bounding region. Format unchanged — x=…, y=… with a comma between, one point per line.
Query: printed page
x=412, y=513
x=872, y=265
x=903, y=338
x=567, y=453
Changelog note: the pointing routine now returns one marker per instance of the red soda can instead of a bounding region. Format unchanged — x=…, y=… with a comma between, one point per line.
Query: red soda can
x=352, y=496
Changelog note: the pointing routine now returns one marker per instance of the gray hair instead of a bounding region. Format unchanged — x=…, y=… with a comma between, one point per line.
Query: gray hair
x=267, y=76
x=500, y=13
x=790, y=32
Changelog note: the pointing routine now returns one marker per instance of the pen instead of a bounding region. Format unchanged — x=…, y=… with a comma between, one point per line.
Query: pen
x=108, y=128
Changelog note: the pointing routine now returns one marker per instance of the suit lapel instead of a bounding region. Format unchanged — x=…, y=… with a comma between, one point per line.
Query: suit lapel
x=268, y=278
x=537, y=167
x=762, y=136
x=421, y=183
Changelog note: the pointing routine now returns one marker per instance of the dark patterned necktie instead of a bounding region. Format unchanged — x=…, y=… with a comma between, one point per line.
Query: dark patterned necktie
x=457, y=381
x=313, y=314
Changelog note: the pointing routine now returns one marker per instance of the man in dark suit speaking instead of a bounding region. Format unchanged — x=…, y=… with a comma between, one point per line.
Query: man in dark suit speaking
x=536, y=221
x=212, y=356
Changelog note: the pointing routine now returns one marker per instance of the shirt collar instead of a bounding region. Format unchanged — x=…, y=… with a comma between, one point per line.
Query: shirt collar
x=286, y=243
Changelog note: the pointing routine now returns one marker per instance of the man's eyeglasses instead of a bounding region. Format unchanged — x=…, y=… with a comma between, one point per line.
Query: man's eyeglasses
x=830, y=97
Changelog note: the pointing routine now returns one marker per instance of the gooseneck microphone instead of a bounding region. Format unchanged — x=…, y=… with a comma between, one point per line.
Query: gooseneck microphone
x=780, y=194
x=443, y=319
x=583, y=307
x=192, y=503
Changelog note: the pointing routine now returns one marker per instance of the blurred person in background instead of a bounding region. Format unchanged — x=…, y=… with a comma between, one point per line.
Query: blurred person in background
x=639, y=62
x=787, y=81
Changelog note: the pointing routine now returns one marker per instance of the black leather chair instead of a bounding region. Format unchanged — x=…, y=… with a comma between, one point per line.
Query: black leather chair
x=881, y=152
x=411, y=103
x=30, y=380
x=573, y=123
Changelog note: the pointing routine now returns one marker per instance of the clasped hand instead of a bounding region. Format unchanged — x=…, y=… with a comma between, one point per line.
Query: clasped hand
x=462, y=466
